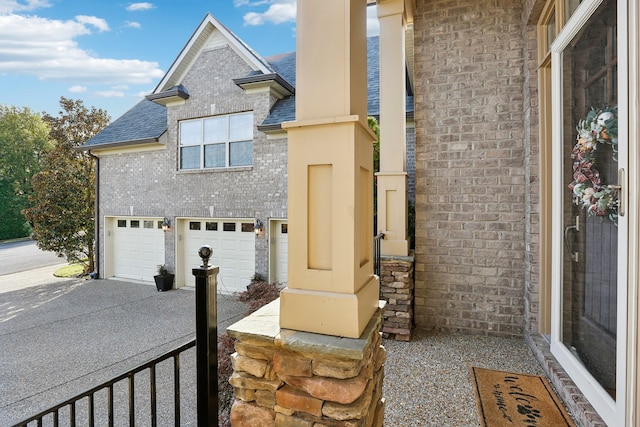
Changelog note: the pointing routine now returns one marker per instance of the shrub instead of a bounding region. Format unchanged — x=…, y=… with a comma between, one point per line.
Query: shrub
x=259, y=293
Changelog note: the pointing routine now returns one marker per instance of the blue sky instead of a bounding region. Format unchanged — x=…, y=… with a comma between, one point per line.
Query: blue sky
x=111, y=53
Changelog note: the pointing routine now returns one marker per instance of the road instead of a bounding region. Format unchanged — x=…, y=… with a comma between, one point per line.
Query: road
x=21, y=256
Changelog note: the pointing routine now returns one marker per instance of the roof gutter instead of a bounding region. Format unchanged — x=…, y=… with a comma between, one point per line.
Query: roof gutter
x=270, y=128
x=259, y=78
x=121, y=143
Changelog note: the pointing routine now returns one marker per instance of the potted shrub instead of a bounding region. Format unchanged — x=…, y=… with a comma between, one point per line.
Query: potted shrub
x=164, y=278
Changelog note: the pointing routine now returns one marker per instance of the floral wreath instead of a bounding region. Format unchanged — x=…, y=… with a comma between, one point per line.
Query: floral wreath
x=598, y=127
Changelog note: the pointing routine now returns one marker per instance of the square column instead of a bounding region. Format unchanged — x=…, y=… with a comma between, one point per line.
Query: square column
x=331, y=286
x=392, y=178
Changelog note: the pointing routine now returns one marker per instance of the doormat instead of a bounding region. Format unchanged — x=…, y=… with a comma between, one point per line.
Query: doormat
x=505, y=398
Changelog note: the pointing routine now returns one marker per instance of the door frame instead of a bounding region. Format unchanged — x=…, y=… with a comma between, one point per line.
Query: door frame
x=273, y=253
x=613, y=412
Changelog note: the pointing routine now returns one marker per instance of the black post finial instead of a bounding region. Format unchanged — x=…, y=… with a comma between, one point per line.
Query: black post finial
x=205, y=253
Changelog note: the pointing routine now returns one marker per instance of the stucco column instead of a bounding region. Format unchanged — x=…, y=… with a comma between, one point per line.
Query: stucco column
x=392, y=178
x=331, y=286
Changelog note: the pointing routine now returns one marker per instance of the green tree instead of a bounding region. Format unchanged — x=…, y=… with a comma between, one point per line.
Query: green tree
x=24, y=137
x=62, y=206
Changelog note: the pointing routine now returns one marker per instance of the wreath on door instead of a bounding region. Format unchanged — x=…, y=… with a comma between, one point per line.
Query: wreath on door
x=599, y=127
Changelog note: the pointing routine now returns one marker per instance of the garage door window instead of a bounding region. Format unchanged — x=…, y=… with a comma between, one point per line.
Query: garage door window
x=211, y=226
x=122, y=223
x=135, y=223
x=194, y=225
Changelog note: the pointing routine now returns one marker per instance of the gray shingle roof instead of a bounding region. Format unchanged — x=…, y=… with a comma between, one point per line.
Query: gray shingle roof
x=145, y=122
x=285, y=64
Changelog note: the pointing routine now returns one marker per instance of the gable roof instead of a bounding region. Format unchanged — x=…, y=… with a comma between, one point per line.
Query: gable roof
x=147, y=121
x=207, y=28
x=144, y=123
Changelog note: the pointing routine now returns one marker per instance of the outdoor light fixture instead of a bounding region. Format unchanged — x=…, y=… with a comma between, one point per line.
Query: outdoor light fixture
x=258, y=227
x=166, y=224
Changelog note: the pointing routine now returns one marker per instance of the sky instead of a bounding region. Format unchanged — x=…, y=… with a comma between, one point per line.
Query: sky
x=110, y=54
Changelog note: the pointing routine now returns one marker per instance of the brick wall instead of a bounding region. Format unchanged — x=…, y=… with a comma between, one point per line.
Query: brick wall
x=470, y=172
x=150, y=182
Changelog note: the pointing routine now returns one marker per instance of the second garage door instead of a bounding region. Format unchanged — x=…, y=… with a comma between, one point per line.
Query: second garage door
x=233, y=243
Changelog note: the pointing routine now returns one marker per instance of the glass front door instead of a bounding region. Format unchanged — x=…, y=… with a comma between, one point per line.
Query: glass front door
x=590, y=258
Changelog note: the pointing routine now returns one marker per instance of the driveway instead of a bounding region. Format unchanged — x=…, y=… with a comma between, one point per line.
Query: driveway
x=25, y=255
x=61, y=338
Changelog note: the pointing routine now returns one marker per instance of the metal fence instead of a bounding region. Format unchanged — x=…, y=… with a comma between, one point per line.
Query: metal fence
x=376, y=253
x=69, y=408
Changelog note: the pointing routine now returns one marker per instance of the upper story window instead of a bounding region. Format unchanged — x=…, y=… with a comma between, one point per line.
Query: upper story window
x=217, y=142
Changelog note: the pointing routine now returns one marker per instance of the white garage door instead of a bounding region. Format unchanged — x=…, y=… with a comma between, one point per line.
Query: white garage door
x=233, y=243
x=138, y=248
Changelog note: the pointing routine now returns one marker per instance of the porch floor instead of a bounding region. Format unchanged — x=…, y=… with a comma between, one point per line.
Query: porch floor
x=428, y=382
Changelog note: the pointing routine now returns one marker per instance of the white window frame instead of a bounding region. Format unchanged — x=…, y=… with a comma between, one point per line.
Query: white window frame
x=227, y=141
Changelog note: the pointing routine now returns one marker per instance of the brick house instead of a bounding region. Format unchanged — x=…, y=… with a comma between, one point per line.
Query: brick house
x=205, y=154
x=517, y=232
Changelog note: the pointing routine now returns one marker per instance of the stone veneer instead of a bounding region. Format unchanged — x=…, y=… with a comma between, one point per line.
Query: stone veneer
x=396, y=288
x=288, y=378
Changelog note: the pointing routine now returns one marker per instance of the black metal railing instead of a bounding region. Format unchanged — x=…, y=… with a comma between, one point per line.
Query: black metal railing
x=206, y=343
x=376, y=253
x=71, y=404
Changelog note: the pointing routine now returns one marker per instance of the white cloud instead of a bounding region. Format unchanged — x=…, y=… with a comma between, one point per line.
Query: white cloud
x=142, y=94
x=46, y=49
x=78, y=89
x=279, y=11
x=10, y=6
x=110, y=94
x=142, y=6
x=99, y=23
x=252, y=3
x=131, y=24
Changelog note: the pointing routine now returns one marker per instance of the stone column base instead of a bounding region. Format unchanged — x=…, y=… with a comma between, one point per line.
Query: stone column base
x=397, y=289
x=284, y=377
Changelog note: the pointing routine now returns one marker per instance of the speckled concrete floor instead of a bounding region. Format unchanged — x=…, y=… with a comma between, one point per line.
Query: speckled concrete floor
x=428, y=382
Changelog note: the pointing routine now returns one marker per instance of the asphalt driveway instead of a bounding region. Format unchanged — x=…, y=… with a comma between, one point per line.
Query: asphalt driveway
x=60, y=339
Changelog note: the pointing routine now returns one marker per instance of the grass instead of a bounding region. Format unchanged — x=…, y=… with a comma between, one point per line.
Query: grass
x=73, y=270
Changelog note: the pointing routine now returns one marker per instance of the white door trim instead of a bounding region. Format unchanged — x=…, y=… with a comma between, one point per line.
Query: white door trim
x=613, y=412
x=273, y=248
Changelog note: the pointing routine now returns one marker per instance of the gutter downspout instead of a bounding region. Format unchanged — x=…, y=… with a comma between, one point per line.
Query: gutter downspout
x=97, y=252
